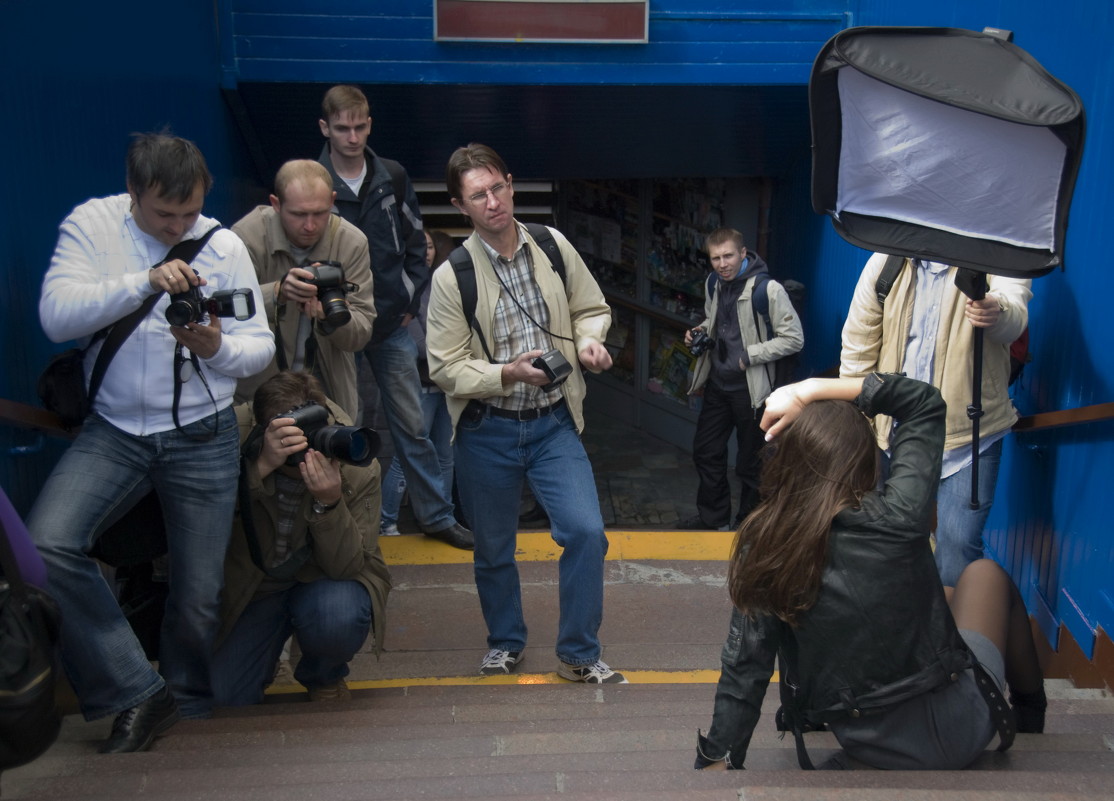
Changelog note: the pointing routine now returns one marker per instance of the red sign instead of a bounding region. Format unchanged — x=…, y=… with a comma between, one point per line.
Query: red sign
x=623, y=21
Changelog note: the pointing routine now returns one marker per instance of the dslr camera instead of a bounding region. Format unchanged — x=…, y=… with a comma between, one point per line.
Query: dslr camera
x=555, y=366
x=350, y=444
x=328, y=277
x=191, y=306
x=701, y=342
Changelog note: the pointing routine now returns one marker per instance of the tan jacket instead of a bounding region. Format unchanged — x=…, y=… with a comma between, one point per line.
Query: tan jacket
x=874, y=338
x=457, y=363
x=262, y=233
x=345, y=539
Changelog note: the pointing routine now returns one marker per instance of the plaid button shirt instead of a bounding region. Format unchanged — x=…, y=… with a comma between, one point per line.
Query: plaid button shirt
x=520, y=299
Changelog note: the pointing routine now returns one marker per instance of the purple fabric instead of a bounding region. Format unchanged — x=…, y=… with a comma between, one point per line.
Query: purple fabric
x=27, y=558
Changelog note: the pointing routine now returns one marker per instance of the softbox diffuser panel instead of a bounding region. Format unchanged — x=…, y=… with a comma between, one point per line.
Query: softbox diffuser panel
x=922, y=162
x=944, y=144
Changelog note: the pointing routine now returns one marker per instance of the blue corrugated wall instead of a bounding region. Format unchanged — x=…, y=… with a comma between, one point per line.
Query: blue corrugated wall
x=79, y=78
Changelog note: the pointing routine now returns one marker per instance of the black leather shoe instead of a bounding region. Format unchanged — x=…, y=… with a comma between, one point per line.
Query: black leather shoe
x=456, y=535
x=136, y=728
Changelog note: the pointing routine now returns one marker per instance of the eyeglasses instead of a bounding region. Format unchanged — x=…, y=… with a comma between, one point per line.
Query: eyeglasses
x=499, y=191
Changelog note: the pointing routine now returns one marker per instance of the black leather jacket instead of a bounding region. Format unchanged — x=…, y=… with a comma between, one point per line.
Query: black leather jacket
x=880, y=631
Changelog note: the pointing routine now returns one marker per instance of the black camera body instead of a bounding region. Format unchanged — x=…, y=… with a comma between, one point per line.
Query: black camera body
x=350, y=444
x=328, y=277
x=555, y=366
x=191, y=306
x=701, y=342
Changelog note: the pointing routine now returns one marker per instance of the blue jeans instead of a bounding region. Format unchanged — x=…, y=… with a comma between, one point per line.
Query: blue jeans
x=102, y=474
x=331, y=620
x=493, y=457
x=394, y=361
x=959, y=527
x=438, y=426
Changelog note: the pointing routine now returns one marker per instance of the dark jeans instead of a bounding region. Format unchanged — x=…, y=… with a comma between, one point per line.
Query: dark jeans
x=331, y=619
x=722, y=413
x=105, y=471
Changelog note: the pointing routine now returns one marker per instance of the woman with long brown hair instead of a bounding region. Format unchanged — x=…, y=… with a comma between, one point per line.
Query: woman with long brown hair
x=836, y=577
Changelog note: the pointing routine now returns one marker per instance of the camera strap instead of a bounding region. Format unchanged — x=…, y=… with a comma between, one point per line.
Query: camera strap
x=115, y=335
x=309, y=347
x=179, y=363
x=294, y=562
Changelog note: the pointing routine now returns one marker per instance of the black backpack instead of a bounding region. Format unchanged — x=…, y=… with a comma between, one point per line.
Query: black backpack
x=1019, y=349
x=461, y=261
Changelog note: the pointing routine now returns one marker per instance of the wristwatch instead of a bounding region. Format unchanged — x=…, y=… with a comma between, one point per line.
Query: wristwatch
x=320, y=508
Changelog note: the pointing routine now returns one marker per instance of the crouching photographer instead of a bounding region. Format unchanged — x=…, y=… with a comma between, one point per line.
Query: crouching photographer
x=304, y=557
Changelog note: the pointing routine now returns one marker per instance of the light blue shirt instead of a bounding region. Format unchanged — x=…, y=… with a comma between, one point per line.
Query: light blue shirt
x=920, y=349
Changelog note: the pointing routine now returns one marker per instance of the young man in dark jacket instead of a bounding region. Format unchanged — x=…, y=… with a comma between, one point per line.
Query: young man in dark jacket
x=375, y=195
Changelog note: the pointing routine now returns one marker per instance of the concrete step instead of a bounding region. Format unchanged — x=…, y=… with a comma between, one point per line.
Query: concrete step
x=547, y=741
x=423, y=725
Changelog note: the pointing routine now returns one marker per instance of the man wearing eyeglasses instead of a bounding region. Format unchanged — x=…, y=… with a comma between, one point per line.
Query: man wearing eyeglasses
x=512, y=421
x=374, y=194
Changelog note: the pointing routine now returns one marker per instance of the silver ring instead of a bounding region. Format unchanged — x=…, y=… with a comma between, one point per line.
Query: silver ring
x=283, y=441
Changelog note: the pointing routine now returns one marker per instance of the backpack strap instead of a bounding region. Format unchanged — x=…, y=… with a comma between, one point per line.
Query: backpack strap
x=543, y=237
x=760, y=309
x=888, y=277
x=398, y=185
x=461, y=261
x=760, y=299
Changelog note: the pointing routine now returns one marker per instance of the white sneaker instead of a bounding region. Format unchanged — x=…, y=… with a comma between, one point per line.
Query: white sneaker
x=596, y=673
x=389, y=530
x=500, y=663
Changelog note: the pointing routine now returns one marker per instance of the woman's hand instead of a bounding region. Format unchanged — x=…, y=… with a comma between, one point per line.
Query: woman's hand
x=783, y=406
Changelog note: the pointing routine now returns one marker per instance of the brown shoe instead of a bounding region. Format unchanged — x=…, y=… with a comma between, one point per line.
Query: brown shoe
x=337, y=691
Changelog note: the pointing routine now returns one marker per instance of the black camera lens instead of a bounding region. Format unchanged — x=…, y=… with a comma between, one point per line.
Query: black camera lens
x=350, y=444
x=328, y=277
x=336, y=310
x=185, y=307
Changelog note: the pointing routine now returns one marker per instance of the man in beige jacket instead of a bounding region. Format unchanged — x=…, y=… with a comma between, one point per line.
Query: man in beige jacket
x=317, y=328
x=512, y=421
x=925, y=328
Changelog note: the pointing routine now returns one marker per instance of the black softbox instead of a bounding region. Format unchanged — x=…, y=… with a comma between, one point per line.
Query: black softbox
x=944, y=144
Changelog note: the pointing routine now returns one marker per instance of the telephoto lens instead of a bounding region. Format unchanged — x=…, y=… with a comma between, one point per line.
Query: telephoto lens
x=350, y=444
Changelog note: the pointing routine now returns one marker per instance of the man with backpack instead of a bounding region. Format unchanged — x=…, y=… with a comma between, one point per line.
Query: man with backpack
x=510, y=316
x=374, y=194
x=908, y=316
x=750, y=324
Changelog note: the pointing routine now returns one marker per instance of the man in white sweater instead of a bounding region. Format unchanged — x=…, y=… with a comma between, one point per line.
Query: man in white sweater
x=162, y=421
